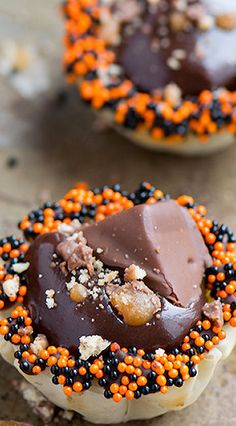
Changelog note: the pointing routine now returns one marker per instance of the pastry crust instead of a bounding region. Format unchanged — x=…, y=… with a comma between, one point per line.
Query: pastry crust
x=95, y=408
x=191, y=145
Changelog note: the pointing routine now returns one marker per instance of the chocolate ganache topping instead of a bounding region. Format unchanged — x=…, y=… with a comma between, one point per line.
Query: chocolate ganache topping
x=189, y=43
x=162, y=239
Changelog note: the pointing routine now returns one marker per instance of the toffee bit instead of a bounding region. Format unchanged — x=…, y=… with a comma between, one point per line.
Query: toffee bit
x=78, y=293
x=226, y=21
x=135, y=302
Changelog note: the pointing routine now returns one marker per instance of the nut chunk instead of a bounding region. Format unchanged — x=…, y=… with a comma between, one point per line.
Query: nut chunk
x=213, y=311
x=76, y=253
x=135, y=302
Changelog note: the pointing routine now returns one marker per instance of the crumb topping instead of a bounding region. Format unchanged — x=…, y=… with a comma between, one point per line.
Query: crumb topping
x=92, y=346
x=50, y=301
x=39, y=344
x=11, y=286
x=134, y=273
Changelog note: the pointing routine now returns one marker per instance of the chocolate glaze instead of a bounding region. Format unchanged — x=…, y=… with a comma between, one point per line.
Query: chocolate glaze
x=211, y=55
x=66, y=323
x=162, y=239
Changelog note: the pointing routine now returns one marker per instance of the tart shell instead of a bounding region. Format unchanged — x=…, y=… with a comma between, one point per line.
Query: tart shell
x=96, y=409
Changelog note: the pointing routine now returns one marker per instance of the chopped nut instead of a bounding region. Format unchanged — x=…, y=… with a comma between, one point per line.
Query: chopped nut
x=11, y=287
x=39, y=344
x=226, y=21
x=109, y=30
x=135, y=302
x=50, y=293
x=98, y=265
x=206, y=22
x=213, y=311
x=134, y=273
x=173, y=63
x=81, y=256
x=78, y=293
x=76, y=253
x=84, y=276
x=179, y=54
x=63, y=268
x=172, y=94
x=66, y=248
x=92, y=346
x=68, y=230
x=178, y=21
x=25, y=331
x=108, y=278
x=71, y=283
x=50, y=302
x=20, y=267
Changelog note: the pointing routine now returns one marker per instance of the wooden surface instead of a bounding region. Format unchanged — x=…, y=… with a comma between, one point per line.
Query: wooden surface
x=51, y=140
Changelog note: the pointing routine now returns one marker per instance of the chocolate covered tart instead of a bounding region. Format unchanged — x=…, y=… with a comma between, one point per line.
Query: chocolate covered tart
x=162, y=71
x=118, y=305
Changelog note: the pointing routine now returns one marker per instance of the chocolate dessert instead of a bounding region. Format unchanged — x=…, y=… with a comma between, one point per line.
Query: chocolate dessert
x=125, y=291
x=162, y=70
x=163, y=240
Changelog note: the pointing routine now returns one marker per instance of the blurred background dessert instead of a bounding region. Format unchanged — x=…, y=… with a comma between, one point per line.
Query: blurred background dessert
x=163, y=71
